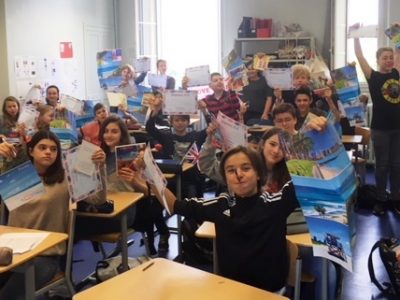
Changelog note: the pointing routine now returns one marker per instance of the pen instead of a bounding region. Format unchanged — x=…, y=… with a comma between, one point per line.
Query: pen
x=148, y=266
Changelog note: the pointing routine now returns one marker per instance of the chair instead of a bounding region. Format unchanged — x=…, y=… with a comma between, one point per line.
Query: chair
x=122, y=201
x=360, y=157
x=295, y=275
x=65, y=276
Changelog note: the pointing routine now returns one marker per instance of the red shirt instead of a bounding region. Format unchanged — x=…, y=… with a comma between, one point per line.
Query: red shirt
x=91, y=131
x=228, y=104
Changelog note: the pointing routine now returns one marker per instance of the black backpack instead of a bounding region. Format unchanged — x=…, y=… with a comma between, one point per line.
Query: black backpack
x=367, y=196
x=389, y=250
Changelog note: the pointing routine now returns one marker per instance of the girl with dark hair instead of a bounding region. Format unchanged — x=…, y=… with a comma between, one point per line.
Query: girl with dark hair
x=250, y=223
x=113, y=132
x=48, y=211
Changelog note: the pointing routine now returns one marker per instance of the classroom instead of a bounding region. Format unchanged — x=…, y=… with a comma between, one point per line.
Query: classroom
x=169, y=149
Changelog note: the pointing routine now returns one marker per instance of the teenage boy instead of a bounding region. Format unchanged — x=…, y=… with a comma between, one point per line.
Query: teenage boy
x=223, y=101
x=90, y=131
x=302, y=79
x=175, y=145
x=303, y=100
x=284, y=116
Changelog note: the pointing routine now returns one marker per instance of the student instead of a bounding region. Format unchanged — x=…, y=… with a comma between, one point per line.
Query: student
x=284, y=116
x=258, y=95
x=303, y=101
x=130, y=81
x=162, y=70
x=250, y=224
x=52, y=95
x=48, y=211
x=223, y=101
x=383, y=86
x=113, y=132
x=11, y=110
x=46, y=116
x=302, y=78
x=90, y=131
x=175, y=145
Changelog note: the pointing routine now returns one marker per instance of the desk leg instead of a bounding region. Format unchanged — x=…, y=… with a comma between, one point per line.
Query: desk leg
x=179, y=219
x=29, y=274
x=124, y=241
x=324, y=285
x=215, y=257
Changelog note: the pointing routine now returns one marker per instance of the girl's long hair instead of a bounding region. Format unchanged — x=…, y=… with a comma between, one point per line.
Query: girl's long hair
x=8, y=120
x=54, y=173
x=125, y=138
x=279, y=173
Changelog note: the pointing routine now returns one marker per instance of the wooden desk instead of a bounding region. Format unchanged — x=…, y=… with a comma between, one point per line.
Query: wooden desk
x=21, y=262
x=122, y=201
x=351, y=139
x=163, y=279
x=207, y=230
x=300, y=239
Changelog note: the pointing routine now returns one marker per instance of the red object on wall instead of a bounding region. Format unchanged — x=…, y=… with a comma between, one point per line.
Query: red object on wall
x=66, y=50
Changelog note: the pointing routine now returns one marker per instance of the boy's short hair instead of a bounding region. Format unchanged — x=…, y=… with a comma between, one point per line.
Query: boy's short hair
x=301, y=70
x=283, y=108
x=214, y=74
x=185, y=117
x=97, y=107
x=303, y=91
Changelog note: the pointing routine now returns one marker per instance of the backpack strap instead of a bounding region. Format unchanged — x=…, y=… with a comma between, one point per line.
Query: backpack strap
x=372, y=272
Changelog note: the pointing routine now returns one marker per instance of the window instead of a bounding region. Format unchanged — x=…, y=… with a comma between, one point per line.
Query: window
x=146, y=29
x=368, y=15
x=347, y=13
x=184, y=33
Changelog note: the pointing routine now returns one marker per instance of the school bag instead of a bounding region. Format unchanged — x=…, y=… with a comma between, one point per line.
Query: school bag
x=367, y=196
x=110, y=267
x=389, y=251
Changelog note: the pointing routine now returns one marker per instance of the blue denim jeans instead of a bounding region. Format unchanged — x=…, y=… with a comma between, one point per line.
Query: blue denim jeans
x=387, y=162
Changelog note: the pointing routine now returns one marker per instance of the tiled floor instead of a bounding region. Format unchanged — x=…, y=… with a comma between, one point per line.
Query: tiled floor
x=356, y=285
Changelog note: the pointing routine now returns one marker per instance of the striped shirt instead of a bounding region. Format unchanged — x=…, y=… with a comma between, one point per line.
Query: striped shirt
x=228, y=104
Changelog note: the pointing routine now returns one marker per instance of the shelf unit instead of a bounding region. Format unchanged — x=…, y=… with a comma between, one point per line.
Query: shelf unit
x=250, y=46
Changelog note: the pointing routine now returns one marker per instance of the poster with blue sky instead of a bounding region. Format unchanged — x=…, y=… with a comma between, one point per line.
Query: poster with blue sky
x=108, y=68
x=325, y=183
x=346, y=83
x=20, y=185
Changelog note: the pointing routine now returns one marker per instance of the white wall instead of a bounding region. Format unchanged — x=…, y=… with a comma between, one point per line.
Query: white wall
x=312, y=15
x=36, y=27
x=125, y=23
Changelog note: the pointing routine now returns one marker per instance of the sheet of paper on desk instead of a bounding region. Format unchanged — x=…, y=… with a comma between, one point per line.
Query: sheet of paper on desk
x=84, y=163
x=22, y=242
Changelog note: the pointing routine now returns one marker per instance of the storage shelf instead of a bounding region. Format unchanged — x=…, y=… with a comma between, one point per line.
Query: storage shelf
x=274, y=39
